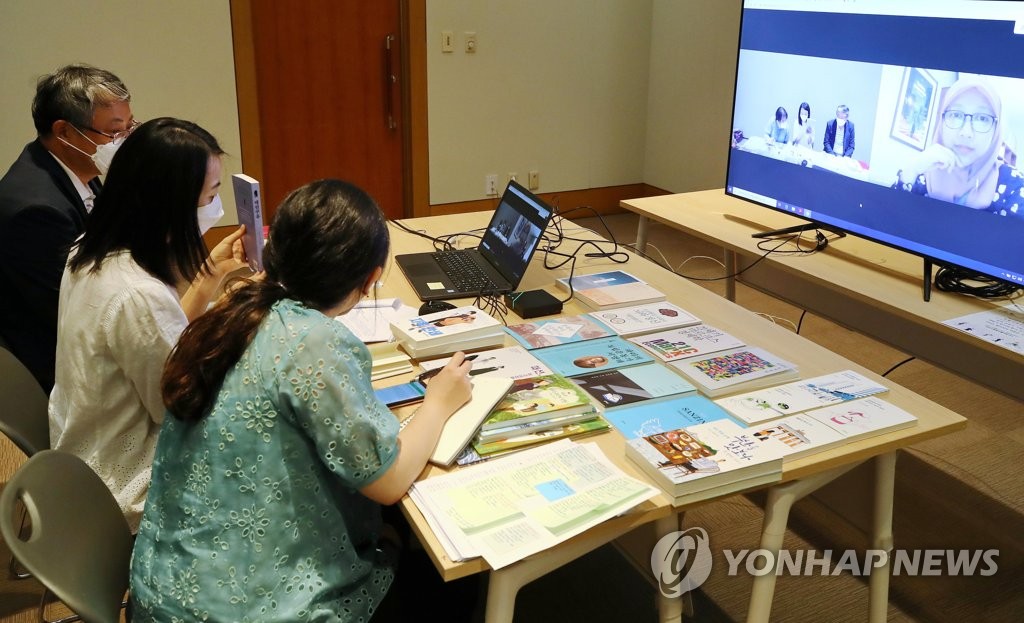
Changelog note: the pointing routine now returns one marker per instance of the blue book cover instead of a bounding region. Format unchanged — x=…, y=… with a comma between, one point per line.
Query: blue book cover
x=649, y=418
x=555, y=331
x=626, y=386
x=593, y=355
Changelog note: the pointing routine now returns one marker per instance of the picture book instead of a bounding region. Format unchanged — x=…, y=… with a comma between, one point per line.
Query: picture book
x=838, y=424
x=515, y=429
x=582, y=357
x=773, y=402
x=440, y=333
x=648, y=418
x=626, y=386
x=610, y=289
x=688, y=460
x=537, y=398
x=462, y=425
x=575, y=430
x=249, y=210
x=512, y=362
x=685, y=342
x=737, y=370
x=645, y=318
x=554, y=331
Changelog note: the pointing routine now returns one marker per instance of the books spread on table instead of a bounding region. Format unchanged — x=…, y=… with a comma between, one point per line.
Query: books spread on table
x=686, y=342
x=645, y=318
x=554, y=331
x=249, y=210
x=773, y=402
x=513, y=362
x=554, y=420
x=626, y=386
x=737, y=370
x=387, y=360
x=538, y=398
x=444, y=332
x=582, y=357
x=610, y=289
x=718, y=455
x=648, y=418
x=828, y=427
x=462, y=425
x=574, y=430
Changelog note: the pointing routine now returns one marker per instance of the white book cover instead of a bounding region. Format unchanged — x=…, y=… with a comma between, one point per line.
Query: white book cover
x=773, y=402
x=611, y=289
x=645, y=318
x=736, y=370
x=800, y=433
x=863, y=418
x=513, y=362
x=249, y=210
x=460, y=428
x=445, y=326
x=686, y=342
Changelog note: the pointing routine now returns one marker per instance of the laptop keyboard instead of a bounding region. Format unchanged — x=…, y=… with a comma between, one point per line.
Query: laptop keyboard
x=463, y=271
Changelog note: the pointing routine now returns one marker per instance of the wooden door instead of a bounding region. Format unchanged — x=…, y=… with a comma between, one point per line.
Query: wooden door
x=319, y=88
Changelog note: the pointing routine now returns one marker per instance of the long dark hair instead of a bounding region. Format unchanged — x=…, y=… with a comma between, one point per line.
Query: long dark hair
x=803, y=106
x=149, y=202
x=325, y=241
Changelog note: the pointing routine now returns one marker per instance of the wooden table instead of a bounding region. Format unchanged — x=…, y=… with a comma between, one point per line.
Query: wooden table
x=799, y=477
x=863, y=285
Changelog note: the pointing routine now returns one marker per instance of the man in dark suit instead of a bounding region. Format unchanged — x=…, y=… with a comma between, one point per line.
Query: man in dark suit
x=81, y=115
x=842, y=127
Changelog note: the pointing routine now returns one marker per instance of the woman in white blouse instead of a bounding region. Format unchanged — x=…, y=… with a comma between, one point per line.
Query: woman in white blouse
x=134, y=280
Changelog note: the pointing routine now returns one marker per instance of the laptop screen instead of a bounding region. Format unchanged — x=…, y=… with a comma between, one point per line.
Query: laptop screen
x=514, y=232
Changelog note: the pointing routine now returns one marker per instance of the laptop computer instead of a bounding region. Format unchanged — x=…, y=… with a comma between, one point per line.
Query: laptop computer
x=496, y=266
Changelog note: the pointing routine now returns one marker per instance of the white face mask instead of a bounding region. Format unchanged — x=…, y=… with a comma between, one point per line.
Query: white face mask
x=104, y=154
x=209, y=214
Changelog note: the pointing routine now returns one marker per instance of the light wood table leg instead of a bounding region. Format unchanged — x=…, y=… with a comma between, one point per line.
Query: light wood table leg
x=881, y=537
x=641, y=235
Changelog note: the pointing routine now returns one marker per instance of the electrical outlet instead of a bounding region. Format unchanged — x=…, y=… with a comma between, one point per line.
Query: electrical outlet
x=513, y=176
x=470, y=42
x=491, y=185
x=447, y=41
x=534, y=180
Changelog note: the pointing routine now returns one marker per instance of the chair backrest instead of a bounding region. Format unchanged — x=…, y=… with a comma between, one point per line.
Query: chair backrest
x=23, y=415
x=80, y=545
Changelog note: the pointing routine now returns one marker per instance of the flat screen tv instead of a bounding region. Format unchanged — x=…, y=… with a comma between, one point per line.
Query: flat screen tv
x=899, y=121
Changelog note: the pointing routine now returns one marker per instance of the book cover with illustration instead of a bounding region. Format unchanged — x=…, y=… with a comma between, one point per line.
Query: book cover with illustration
x=611, y=289
x=512, y=362
x=555, y=331
x=575, y=430
x=801, y=434
x=773, y=402
x=696, y=458
x=737, y=370
x=648, y=418
x=538, y=398
x=626, y=386
x=863, y=418
x=686, y=342
x=445, y=326
x=600, y=354
x=645, y=318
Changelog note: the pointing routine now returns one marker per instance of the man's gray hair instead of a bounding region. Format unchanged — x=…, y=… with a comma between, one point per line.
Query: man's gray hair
x=843, y=108
x=73, y=93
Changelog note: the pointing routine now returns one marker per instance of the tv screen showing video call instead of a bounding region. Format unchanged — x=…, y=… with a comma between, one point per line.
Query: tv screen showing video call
x=896, y=120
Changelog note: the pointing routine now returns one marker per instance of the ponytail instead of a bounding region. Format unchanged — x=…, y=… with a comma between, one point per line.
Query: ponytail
x=211, y=344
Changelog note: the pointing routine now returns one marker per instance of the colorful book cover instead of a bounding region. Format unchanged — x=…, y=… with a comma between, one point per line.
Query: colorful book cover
x=648, y=418
x=445, y=326
x=537, y=398
x=773, y=402
x=645, y=318
x=685, y=342
x=611, y=289
x=512, y=362
x=626, y=386
x=582, y=357
x=735, y=370
x=801, y=434
x=576, y=429
x=555, y=331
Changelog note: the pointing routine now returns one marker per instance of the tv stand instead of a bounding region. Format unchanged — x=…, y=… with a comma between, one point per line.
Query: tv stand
x=798, y=229
x=927, y=285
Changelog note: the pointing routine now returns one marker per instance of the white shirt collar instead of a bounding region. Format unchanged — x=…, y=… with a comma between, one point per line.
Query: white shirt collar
x=83, y=190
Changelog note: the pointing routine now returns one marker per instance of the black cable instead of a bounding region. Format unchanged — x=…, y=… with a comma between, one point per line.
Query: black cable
x=954, y=279
x=800, y=323
x=907, y=360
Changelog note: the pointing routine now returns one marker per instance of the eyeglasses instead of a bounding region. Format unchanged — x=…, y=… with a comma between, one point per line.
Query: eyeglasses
x=117, y=137
x=980, y=122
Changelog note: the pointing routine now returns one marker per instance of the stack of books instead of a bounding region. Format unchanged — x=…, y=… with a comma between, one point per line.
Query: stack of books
x=442, y=333
x=610, y=290
x=538, y=409
x=645, y=318
x=737, y=370
x=387, y=360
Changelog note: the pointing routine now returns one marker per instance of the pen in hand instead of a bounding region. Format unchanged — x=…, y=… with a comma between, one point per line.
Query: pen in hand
x=429, y=374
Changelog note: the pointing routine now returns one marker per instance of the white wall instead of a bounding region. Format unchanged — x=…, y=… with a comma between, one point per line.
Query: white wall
x=175, y=57
x=558, y=87
x=692, y=70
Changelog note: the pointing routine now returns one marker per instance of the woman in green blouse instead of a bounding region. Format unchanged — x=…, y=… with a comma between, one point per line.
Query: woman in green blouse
x=269, y=476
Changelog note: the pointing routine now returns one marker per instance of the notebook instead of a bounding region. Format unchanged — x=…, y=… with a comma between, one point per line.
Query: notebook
x=496, y=266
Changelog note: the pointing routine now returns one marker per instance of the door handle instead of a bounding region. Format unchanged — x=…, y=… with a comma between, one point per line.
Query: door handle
x=390, y=81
